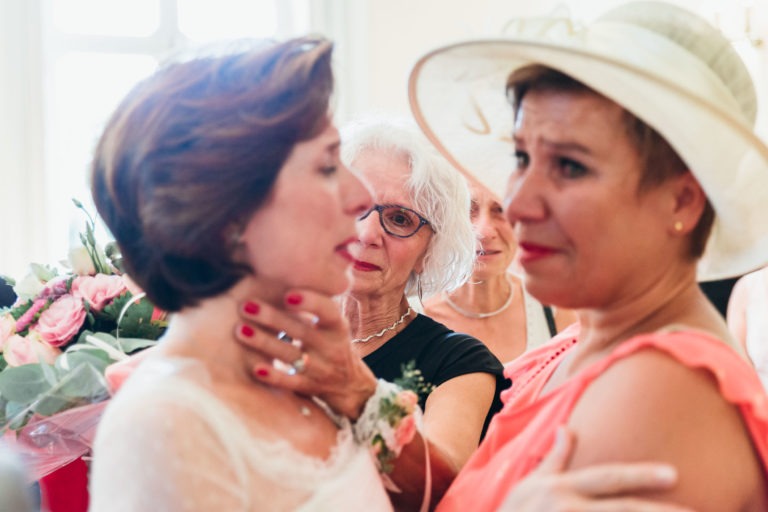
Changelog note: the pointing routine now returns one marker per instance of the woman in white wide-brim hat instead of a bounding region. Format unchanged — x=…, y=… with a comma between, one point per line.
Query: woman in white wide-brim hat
x=633, y=168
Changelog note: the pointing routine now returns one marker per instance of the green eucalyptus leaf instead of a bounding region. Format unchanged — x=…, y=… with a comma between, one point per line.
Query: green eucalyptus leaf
x=3, y=417
x=89, y=385
x=51, y=404
x=95, y=357
x=130, y=345
x=23, y=383
x=17, y=415
x=82, y=385
x=49, y=373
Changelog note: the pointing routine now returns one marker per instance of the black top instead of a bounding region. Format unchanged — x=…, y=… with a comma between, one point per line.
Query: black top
x=441, y=354
x=719, y=292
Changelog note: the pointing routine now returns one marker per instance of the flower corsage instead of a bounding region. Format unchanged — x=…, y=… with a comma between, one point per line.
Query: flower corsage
x=388, y=423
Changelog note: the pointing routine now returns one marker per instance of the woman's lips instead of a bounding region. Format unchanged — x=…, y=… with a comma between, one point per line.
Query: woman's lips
x=484, y=253
x=532, y=252
x=343, y=251
x=365, y=266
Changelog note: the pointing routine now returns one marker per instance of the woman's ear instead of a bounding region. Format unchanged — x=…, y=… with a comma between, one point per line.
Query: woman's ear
x=689, y=203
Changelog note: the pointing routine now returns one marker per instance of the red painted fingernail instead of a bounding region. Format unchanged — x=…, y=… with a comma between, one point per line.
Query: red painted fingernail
x=262, y=372
x=251, y=308
x=294, y=299
x=247, y=331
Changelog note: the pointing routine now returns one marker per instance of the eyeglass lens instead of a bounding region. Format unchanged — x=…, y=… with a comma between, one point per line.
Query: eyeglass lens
x=397, y=220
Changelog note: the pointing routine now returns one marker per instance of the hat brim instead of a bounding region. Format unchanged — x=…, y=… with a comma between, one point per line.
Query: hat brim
x=458, y=97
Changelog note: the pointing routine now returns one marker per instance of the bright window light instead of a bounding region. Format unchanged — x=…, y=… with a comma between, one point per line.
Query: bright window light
x=203, y=20
x=107, y=17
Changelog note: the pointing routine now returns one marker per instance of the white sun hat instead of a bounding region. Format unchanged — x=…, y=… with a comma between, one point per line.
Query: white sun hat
x=665, y=65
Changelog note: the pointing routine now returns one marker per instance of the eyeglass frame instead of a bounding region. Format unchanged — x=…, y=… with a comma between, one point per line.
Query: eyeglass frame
x=380, y=207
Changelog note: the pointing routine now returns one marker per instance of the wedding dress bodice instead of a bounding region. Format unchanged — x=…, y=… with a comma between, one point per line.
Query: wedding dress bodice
x=167, y=443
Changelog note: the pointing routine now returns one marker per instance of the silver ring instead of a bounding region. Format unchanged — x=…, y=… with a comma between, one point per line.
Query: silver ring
x=299, y=365
x=283, y=336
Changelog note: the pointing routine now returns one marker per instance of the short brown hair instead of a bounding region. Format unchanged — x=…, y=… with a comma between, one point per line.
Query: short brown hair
x=658, y=159
x=194, y=150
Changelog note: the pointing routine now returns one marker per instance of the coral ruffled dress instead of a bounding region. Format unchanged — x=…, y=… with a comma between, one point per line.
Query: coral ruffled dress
x=523, y=432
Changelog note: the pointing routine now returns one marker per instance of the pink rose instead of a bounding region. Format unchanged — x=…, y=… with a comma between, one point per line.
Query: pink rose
x=98, y=290
x=60, y=322
x=55, y=288
x=405, y=430
x=7, y=328
x=407, y=399
x=19, y=350
x=117, y=373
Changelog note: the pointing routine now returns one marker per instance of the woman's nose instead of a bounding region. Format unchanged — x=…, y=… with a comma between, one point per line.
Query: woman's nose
x=484, y=226
x=369, y=230
x=524, y=199
x=358, y=199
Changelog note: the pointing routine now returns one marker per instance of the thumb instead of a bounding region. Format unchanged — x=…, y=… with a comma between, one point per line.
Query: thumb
x=557, y=458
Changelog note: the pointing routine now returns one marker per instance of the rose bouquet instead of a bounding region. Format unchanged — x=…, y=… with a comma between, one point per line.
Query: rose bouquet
x=66, y=326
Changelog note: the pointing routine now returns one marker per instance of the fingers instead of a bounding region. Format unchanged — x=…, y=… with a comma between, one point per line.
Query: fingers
x=558, y=457
x=609, y=479
x=629, y=505
x=606, y=479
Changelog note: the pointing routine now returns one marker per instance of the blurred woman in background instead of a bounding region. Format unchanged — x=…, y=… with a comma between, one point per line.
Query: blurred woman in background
x=493, y=305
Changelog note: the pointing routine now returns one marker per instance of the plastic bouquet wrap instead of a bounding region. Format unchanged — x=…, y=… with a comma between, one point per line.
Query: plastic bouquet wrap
x=66, y=327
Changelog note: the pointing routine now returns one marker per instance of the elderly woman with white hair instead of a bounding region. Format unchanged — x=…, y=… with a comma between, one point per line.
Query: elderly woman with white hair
x=417, y=240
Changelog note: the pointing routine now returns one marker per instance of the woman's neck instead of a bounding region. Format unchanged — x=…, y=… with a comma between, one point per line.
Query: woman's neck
x=207, y=331
x=674, y=301
x=368, y=314
x=484, y=295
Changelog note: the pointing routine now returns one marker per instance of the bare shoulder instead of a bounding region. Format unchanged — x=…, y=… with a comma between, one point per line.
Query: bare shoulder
x=649, y=406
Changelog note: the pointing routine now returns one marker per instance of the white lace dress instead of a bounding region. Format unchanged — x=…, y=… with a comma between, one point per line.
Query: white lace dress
x=166, y=443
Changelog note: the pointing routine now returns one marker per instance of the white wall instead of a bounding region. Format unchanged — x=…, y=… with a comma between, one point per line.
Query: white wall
x=399, y=31
x=21, y=238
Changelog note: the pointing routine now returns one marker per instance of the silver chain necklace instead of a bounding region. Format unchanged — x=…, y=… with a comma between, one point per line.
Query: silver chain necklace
x=384, y=330
x=472, y=314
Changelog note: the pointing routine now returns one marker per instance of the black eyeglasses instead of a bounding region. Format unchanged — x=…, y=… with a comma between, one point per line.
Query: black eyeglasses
x=397, y=220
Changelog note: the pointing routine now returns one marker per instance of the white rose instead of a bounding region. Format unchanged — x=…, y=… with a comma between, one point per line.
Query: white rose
x=80, y=261
x=29, y=287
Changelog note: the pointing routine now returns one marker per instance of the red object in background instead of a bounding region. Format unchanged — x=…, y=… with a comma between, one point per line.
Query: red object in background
x=66, y=489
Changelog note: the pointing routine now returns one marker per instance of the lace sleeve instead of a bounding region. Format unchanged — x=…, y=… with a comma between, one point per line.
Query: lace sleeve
x=156, y=453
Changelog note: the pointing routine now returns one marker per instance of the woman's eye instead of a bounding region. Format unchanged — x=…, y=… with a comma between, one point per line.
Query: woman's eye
x=571, y=168
x=400, y=219
x=521, y=159
x=328, y=170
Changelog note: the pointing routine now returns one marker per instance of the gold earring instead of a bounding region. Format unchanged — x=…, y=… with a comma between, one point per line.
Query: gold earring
x=678, y=226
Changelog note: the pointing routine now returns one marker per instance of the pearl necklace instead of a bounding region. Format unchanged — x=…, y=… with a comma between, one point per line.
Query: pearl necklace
x=472, y=314
x=384, y=330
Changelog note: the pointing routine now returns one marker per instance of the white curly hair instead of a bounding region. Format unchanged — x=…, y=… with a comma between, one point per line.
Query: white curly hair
x=436, y=189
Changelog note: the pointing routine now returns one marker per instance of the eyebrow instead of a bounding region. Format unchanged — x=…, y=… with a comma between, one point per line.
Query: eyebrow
x=333, y=146
x=573, y=147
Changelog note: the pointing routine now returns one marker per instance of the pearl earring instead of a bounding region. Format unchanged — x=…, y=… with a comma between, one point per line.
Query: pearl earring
x=678, y=226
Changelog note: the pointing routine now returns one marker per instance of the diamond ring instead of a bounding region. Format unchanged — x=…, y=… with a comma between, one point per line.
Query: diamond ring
x=299, y=365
